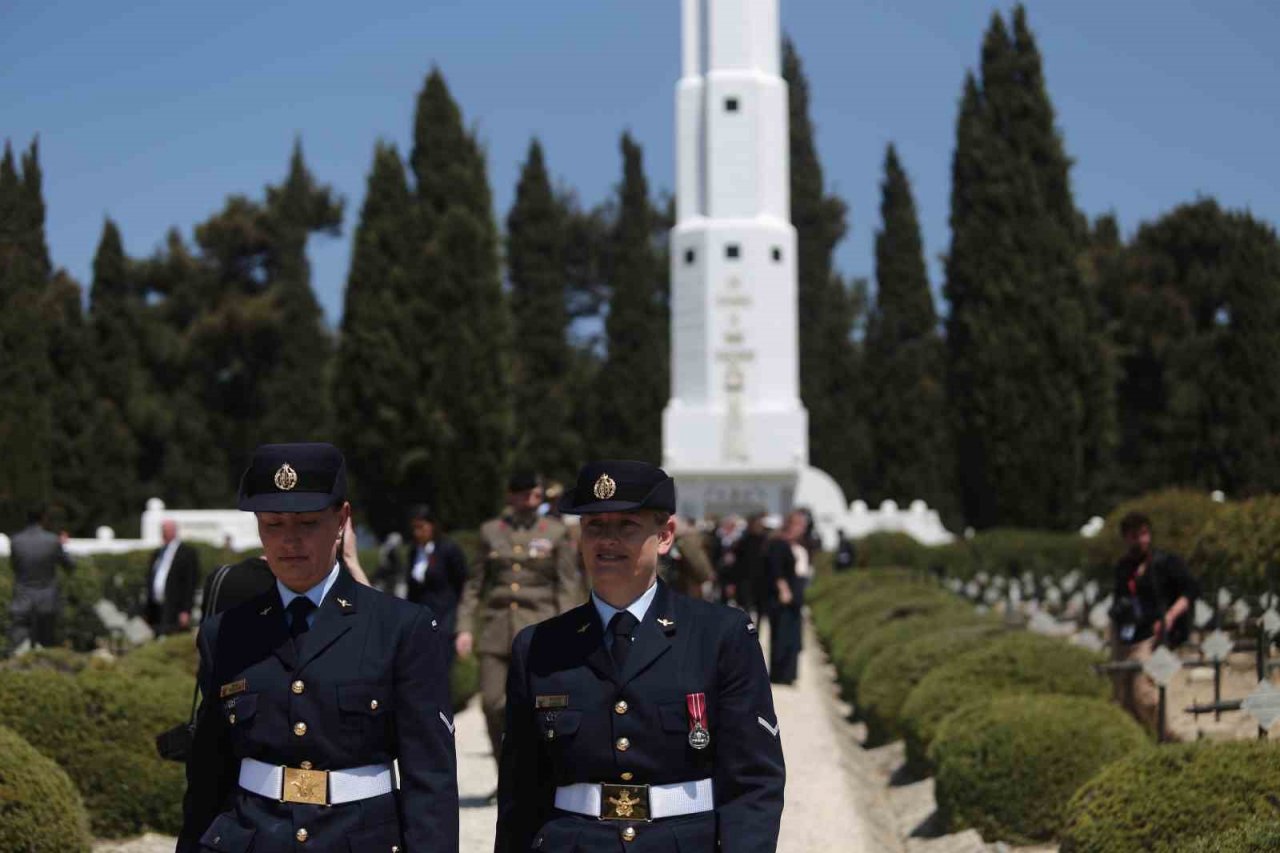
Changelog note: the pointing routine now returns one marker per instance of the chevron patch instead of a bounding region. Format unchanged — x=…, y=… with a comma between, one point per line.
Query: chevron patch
x=449, y=724
x=773, y=730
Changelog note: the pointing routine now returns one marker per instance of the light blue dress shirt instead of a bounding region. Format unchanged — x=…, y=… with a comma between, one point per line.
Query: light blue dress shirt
x=316, y=594
x=637, y=608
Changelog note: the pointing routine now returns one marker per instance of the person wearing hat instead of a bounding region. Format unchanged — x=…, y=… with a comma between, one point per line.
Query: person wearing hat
x=525, y=571
x=312, y=690
x=643, y=719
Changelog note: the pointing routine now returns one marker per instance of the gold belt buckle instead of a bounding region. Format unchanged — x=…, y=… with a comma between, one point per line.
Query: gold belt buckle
x=305, y=786
x=624, y=802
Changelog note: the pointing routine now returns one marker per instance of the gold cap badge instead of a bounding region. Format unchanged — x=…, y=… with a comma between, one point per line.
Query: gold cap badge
x=604, y=488
x=286, y=478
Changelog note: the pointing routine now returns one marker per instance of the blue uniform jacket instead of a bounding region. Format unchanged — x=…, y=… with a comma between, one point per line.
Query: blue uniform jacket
x=369, y=683
x=682, y=646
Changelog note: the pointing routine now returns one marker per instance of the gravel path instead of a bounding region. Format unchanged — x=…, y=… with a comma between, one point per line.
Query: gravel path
x=822, y=814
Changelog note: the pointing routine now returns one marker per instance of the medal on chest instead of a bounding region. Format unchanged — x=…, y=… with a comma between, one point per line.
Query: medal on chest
x=699, y=736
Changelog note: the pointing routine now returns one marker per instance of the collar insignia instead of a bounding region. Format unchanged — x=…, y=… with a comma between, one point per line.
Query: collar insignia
x=342, y=602
x=264, y=611
x=665, y=623
x=604, y=488
x=584, y=628
x=286, y=478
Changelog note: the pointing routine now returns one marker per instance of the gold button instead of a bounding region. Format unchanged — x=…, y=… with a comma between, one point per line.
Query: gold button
x=519, y=549
x=627, y=776
x=306, y=765
x=621, y=707
x=373, y=704
x=515, y=587
x=517, y=567
x=299, y=729
x=629, y=834
x=550, y=734
x=515, y=606
x=297, y=686
x=622, y=744
x=232, y=719
x=302, y=835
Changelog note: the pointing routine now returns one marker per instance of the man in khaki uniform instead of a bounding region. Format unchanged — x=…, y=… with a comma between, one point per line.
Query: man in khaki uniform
x=526, y=571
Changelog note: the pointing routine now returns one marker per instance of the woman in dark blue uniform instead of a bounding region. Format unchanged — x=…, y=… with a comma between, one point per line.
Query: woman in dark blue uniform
x=642, y=720
x=314, y=689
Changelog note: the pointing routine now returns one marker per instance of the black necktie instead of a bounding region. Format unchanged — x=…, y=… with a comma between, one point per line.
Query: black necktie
x=299, y=609
x=622, y=626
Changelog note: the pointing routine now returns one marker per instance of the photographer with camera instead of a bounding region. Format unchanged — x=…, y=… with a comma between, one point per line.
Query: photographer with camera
x=1152, y=606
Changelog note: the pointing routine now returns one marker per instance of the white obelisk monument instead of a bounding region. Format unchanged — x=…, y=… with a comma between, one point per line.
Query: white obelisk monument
x=735, y=434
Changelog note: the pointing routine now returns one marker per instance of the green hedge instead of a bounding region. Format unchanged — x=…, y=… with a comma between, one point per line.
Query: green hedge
x=1177, y=518
x=1159, y=799
x=892, y=674
x=896, y=632
x=464, y=681
x=1248, y=837
x=1015, y=663
x=99, y=727
x=1237, y=543
x=40, y=810
x=1009, y=766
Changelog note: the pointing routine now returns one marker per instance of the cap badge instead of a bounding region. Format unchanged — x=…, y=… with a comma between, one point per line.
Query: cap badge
x=286, y=478
x=604, y=488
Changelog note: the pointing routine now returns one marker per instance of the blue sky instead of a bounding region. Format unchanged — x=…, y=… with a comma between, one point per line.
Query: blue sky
x=153, y=112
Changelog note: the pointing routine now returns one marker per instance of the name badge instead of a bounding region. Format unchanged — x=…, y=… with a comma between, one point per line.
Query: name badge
x=233, y=688
x=543, y=702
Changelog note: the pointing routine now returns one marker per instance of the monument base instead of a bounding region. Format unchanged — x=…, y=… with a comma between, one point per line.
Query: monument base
x=700, y=494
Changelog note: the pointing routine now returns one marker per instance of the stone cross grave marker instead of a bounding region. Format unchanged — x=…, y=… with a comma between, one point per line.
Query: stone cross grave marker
x=1224, y=597
x=1271, y=620
x=1263, y=704
x=1241, y=610
x=1217, y=646
x=1204, y=613
x=1042, y=623
x=1089, y=640
x=1053, y=596
x=1162, y=666
x=971, y=590
x=1091, y=590
x=1100, y=614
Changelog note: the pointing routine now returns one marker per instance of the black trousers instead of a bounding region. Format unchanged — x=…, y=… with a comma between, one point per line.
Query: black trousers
x=785, y=639
x=34, y=615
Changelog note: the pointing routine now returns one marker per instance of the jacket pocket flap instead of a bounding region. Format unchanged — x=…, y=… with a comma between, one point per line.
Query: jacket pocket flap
x=562, y=722
x=362, y=698
x=675, y=717
x=227, y=836
x=240, y=708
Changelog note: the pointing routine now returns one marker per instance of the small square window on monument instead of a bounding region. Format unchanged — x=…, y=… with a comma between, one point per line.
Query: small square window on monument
x=689, y=256
x=777, y=253
x=732, y=251
x=731, y=105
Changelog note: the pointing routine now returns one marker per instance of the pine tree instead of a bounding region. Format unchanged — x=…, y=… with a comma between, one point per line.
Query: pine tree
x=1196, y=302
x=469, y=422
x=1030, y=402
x=26, y=426
x=632, y=386
x=827, y=312
x=905, y=403
x=380, y=366
x=537, y=230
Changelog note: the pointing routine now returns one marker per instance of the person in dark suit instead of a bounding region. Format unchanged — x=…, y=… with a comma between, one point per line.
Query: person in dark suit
x=432, y=569
x=313, y=689
x=35, y=554
x=782, y=557
x=643, y=719
x=171, y=583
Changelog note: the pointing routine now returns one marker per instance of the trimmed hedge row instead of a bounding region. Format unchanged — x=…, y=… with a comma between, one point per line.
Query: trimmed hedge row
x=40, y=810
x=892, y=674
x=1159, y=799
x=1014, y=663
x=1249, y=837
x=1007, y=767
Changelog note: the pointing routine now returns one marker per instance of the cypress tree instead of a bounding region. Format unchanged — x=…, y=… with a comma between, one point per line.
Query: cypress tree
x=26, y=425
x=469, y=420
x=827, y=311
x=632, y=385
x=537, y=269
x=293, y=409
x=384, y=341
x=904, y=360
x=1030, y=401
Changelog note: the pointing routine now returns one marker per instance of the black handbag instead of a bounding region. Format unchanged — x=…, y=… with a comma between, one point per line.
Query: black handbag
x=175, y=744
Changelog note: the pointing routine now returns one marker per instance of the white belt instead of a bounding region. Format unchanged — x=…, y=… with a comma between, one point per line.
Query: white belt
x=679, y=798
x=343, y=786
